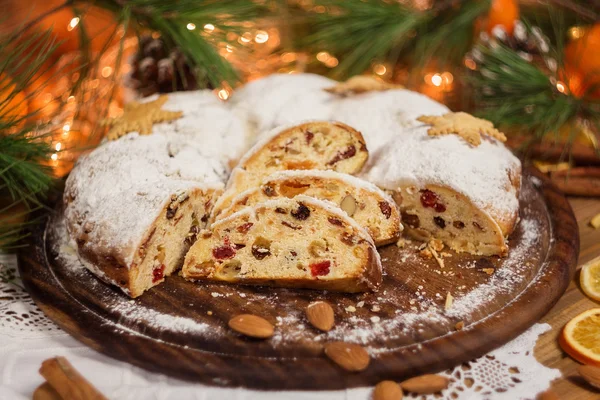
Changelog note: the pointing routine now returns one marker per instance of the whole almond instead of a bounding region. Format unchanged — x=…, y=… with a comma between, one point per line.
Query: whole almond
x=425, y=384
x=547, y=395
x=350, y=357
x=251, y=325
x=320, y=315
x=387, y=390
x=348, y=204
x=591, y=374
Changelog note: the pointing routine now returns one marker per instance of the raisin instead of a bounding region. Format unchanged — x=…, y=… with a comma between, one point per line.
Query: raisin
x=261, y=248
x=269, y=191
x=309, y=136
x=239, y=246
x=459, y=224
x=428, y=198
x=280, y=210
x=439, y=221
x=158, y=273
x=171, y=212
x=301, y=213
x=335, y=221
x=385, y=208
x=342, y=155
x=285, y=223
x=204, y=218
x=411, y=220
x=293, y=253
x=260, y=252
x=245, y=227
x=439, y=207
x=476, y=225
x=223, y=252
x=321, y=268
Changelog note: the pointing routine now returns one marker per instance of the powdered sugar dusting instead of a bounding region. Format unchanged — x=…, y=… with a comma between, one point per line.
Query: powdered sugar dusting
x=481, y=173
x=116, y=192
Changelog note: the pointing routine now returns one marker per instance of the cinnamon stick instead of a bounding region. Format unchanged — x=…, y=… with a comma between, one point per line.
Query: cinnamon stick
x=46, y=392
x=581, y=181
x=67, y=381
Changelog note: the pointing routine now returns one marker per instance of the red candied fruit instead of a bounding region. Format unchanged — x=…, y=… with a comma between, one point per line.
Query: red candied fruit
x=158, y=273
x=223, y=252
x=320, y=268
x=430, y=199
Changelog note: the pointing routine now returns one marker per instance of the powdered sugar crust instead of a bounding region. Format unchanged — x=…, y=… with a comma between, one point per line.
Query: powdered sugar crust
x=480, y=173
x=117, y=191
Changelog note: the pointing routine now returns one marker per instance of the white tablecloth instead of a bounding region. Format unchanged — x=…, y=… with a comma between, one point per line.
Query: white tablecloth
x=28, y=338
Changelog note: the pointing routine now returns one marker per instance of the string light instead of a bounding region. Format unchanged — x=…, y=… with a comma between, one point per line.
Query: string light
x=561, y=87
x=191, y=26
x=323, y=56
x=106, y=72
x=209, y=28
x=54, y=157
x=74, y=22
x=470, y=63
x=380, y=69
x=58, y=146
x=261, y=37
x=223, y=94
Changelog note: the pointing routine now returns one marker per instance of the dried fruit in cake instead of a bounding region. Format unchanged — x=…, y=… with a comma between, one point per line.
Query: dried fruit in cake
x=372, y=208
x=590, y=279
x=313, y=145
x=288, y=243
x=580, y=338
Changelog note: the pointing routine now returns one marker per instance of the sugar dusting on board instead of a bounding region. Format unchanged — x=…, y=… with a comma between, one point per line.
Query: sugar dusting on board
x=136, y=314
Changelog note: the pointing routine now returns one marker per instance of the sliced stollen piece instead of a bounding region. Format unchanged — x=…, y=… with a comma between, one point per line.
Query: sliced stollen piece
x=311, y=145
x=301, y=242
x=134, y=209
x=467, y=195
x=370, y=206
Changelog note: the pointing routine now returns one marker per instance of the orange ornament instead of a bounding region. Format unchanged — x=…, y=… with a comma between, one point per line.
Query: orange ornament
x=582, y=62
x=504, y=13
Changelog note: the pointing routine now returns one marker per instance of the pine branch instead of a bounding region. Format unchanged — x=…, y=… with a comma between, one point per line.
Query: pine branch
x=24, y=177
x=361, y=32
x=520, y=95
x=170, y=19
x=449, y=35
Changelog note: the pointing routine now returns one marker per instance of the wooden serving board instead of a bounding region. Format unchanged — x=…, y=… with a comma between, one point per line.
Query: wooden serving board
x=180, y=328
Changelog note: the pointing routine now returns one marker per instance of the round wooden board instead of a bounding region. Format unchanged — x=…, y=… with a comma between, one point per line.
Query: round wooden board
x=180, y=328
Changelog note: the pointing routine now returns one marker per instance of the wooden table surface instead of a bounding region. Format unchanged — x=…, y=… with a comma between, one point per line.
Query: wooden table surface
x=573, y=302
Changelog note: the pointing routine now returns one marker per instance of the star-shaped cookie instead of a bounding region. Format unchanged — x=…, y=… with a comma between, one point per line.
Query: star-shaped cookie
x=361, y=84
x=139, y=117
x=462, y=124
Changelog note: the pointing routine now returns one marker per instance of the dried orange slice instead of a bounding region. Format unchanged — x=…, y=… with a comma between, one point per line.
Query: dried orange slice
x=580, y=338
x=590, y=279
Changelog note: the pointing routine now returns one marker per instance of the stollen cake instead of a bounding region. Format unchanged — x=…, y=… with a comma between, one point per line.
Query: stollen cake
x=310, y=145
x=301, y=242
x=372, y=208
x=134, y=205
x=450, y=189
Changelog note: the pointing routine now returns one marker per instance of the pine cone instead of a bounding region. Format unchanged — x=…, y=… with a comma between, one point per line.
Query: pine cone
x=158, y=69
x=528, y=41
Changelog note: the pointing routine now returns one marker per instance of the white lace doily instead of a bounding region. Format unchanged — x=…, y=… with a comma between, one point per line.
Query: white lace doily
x=28, y=338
